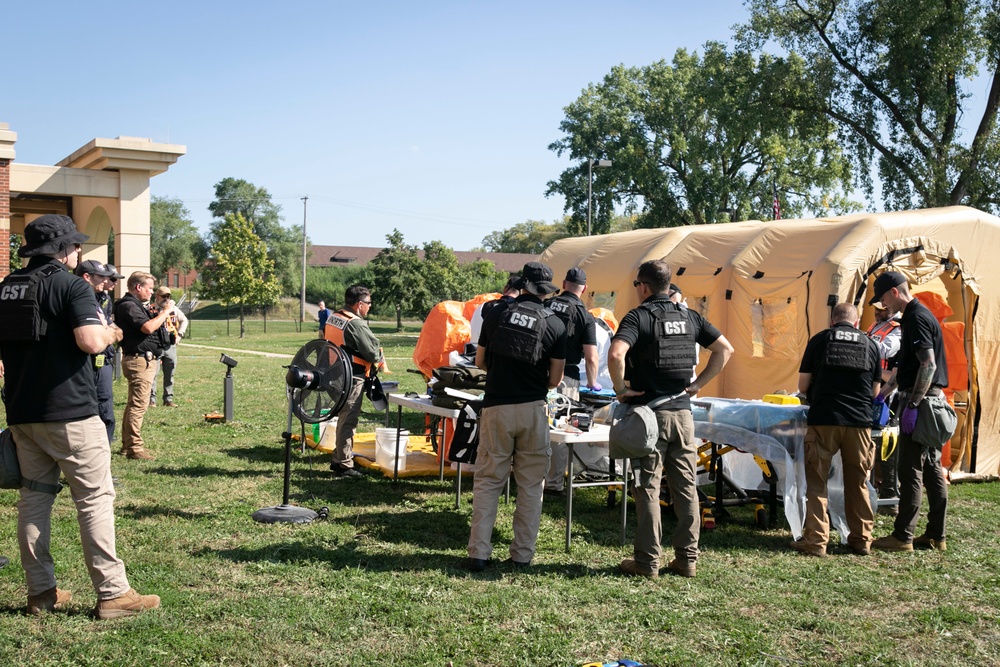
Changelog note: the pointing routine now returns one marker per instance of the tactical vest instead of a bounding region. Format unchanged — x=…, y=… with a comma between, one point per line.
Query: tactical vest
x=334, y=330
x=563, y=308
x=520, y=334
x=846, y=349
x=674, y=351
x=20, y=306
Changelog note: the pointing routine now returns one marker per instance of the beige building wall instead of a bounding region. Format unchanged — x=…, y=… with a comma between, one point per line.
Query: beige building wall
x=104, y=186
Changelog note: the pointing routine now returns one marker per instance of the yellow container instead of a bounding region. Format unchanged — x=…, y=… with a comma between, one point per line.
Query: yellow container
x=781, y=399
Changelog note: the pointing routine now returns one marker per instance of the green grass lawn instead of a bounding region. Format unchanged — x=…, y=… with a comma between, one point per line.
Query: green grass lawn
x=378, y=582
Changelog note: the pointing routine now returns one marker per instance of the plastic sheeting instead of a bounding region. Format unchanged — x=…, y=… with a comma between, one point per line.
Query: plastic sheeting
x=775, y=433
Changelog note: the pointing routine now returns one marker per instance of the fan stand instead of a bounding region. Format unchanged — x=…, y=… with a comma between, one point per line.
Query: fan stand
x=285, y=513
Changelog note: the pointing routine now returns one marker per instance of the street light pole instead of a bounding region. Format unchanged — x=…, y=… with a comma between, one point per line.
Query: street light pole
x=302, y=300
x=591, y=163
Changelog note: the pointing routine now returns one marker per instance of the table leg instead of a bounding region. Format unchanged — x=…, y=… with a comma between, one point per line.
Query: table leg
x=569, y=494
x=458, y=485
x=625, y=466
x=395, y=459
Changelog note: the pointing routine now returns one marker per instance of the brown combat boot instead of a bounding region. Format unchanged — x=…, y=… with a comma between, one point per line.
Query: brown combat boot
x=129, y=604
x=49, y=600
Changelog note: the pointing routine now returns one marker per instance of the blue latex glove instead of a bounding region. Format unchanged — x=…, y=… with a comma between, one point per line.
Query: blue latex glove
x=908, y=422
x=879, y=400
x=596, y=387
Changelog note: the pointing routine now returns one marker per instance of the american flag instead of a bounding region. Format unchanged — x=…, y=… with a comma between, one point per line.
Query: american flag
x=776, y=205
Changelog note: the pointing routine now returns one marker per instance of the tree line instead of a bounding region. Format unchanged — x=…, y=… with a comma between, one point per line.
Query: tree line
x=866, y=96
x=248, y=259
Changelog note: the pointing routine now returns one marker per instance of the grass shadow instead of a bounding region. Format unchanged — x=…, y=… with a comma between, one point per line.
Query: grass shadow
x=154, y=511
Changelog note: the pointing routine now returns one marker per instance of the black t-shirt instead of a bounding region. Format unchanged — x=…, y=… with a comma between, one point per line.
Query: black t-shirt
x=921, y=331
x=52, y=380
x=840, y=396
x=504, y=301
x=583, y=329
x=130, y=315
x=637, y=330
x=509, y=381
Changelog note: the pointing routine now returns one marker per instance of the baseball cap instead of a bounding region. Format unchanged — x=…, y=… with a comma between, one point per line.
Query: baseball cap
x=537, y=279
x=114, y=272
x=94, y=268
x=674, y=289
x=576, y=275
x=884, y=283
x=162, y=290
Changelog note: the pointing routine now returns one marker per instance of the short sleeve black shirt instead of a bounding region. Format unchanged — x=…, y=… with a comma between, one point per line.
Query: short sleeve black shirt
x=636, y=329
x=839, y=396
x=509, y=381
x=130, y=315
x=52, y=380
x=921, y=331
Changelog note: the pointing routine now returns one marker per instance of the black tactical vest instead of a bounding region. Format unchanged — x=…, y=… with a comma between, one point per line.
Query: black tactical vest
x=673, y=353
x=846, y=349
x=563, y=309
x=520, y=334
x=20, y=307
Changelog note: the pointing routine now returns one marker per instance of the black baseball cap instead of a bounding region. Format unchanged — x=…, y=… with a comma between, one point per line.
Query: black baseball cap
x=674, y=289
x=576, y=275
x=884, y=283
x=94, y=268
x=114, y=272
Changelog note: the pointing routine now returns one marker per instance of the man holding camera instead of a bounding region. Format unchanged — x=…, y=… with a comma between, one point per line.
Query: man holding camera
x=144, y=341
x=51, y=331
x=176, y=324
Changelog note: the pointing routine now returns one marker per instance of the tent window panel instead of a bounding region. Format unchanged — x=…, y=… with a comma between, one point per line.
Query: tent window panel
x=774, y=322
x=604, y=300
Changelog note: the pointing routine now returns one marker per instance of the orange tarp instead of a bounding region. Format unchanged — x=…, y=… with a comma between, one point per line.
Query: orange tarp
x=473, y=303
x=606, y=315
x=445, y=330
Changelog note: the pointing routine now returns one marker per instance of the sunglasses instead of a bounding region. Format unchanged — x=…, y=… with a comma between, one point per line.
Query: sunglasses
x=368, y=302
x=636, y=283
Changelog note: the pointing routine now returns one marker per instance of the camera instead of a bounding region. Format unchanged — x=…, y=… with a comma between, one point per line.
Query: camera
x=228, y=361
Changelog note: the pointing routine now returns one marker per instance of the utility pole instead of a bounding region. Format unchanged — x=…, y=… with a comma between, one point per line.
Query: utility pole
x=302, y=300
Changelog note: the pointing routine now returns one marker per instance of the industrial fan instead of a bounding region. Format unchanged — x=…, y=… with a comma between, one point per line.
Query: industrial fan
x=318, y=382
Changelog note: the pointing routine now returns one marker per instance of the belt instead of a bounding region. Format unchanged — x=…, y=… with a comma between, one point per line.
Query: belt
x=933, y=391
x=148, y=356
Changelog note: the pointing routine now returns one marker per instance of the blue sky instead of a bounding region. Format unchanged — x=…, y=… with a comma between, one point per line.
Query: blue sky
x=430, y=117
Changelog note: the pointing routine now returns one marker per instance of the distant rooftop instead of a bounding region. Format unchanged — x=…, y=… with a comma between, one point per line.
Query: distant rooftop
x=336, y=255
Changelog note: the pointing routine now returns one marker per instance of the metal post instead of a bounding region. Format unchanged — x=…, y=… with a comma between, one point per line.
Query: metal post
x=590, y=186
x=227, y=395
x=302, y=302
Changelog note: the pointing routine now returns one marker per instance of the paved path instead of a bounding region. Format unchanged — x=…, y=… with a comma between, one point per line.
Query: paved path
x=274, y=355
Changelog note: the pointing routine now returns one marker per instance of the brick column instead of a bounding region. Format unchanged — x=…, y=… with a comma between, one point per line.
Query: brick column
x=4, y=217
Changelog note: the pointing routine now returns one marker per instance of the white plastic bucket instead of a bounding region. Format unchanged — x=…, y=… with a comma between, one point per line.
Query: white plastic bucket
x=385, y=448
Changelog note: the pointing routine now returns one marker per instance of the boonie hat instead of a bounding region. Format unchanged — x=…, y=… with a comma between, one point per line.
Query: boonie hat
x=94, y=268
x=576, y=275
x=114, y=272
x=162, y=290
x=49, y=234
x=884, y=283
x=537, y=279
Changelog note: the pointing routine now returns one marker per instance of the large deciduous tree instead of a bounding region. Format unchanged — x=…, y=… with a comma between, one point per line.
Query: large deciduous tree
x=254, y=204
x=896, y=76
x=399, y=277
x=173, y=238
x=531, y=236
x=241, y=272
x=700, y=140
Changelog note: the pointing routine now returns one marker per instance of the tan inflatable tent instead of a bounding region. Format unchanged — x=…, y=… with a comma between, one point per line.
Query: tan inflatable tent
x=769, y=286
